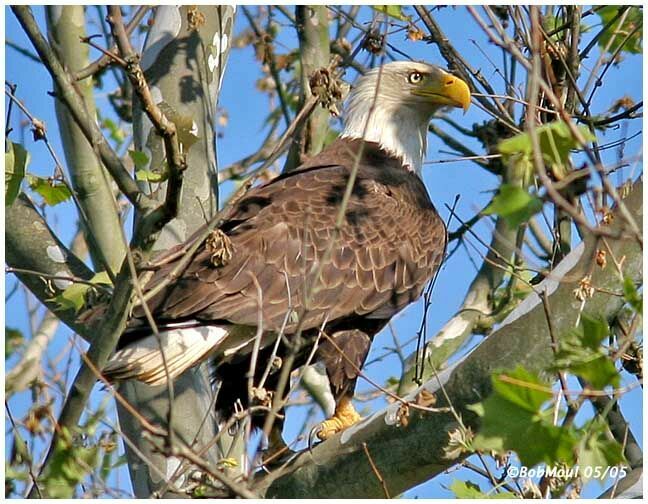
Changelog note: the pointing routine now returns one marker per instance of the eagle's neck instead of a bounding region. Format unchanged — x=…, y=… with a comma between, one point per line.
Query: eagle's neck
x=400, y=130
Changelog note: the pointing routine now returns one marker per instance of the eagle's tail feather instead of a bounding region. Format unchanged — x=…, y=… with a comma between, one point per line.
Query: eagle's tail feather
x=183, y=348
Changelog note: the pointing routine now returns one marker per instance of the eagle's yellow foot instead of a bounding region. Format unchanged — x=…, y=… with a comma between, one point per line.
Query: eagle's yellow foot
x=345, y=416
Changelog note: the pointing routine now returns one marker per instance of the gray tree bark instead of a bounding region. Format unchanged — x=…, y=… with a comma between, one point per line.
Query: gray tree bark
x=314, y=53
x=31, y=245
x=184, y=59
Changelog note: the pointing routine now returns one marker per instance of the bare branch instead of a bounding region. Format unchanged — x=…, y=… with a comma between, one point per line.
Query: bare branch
x=105, y=60
x=313, y=33
x=166, y=129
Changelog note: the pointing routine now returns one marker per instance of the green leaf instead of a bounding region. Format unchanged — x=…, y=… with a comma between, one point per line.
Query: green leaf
x=513, y=415
x=115, y=133
x=633, y=20
x=393, y=11
x=632, y=296
x=594, y=332
x=580, y=353
x=141, y=161
x=16, y=160
x=13, y=339
x=68, y=467
x=52, y=191
x=139, y=158
x=470, y=490
x=556, y=141
x=518, y=144
x=550, y=23
x=599, y=371
x=15, y=474
x=514, y=204
x=522, y=388
x=101, y=278
x=151, y=176
x=73, y=297
x=597, y=450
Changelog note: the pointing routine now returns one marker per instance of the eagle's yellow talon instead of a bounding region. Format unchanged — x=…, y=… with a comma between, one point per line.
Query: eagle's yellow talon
x=345, y=416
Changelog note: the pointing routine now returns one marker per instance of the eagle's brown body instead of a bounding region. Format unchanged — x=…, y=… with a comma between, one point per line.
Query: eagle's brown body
x=389, y=245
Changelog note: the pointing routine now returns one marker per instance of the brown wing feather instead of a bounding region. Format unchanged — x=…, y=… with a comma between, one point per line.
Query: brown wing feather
x=389, y=246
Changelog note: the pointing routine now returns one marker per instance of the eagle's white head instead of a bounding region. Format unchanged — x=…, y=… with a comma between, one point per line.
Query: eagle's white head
x=392, y=105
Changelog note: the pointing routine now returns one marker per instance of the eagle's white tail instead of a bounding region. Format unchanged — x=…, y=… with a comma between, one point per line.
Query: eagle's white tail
x=183, y=348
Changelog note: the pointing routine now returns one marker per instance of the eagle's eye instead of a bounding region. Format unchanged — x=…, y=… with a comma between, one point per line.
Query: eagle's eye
x=415, y=77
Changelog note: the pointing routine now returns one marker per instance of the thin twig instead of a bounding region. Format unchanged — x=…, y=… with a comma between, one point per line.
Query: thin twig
x=629, y=113
x=375, y=470
x=457, y=62
x=67, y=278
x=554, y=343
x=555, y=195
x=107, y=57
x=40, y=132
x=269, y=58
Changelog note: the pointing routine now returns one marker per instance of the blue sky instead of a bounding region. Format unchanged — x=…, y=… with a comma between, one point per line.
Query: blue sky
x=247, y=110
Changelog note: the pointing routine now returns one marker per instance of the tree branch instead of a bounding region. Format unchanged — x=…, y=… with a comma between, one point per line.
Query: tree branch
x=457, y=63
x=110, y=329
x=176, y=160
x=28, y=369
x=66, y=27
x=186, y=71
x=314, y=52
x=478, y=303
x=32, y=245
x=105, y=60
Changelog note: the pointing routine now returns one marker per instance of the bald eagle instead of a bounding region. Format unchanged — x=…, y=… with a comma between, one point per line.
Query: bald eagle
x=288, y=266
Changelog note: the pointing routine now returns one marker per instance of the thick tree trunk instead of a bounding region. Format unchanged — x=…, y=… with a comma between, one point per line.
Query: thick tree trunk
x=184, y=60
x=31, y=245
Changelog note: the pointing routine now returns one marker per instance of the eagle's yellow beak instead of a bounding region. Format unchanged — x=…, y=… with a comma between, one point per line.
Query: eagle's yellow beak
x=446, y=90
